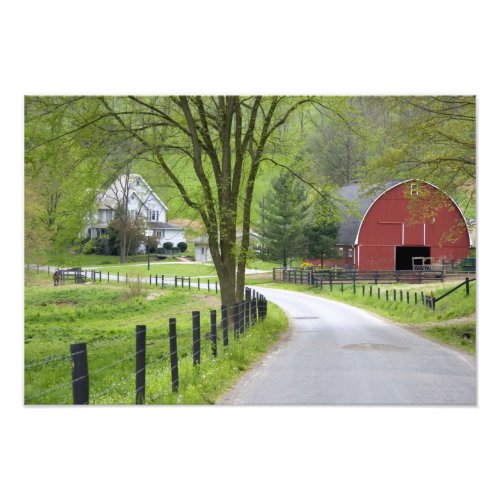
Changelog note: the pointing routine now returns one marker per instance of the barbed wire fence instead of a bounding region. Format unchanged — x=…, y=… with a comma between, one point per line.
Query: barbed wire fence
x=234, y=323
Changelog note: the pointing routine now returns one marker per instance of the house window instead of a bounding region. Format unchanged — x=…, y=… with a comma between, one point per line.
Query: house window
x=413, y=189
x=131, y=214
x=349, y=252
x=158, y=234
x=109, y=215
x=341, y=251
x=153, y=215
x=202, y=250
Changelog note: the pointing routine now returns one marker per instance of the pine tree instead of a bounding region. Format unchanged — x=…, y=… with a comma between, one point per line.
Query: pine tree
x=285, y=213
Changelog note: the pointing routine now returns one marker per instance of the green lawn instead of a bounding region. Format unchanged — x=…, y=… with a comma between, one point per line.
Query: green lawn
x=168, y=269
x=104, y=316
x=462, y=336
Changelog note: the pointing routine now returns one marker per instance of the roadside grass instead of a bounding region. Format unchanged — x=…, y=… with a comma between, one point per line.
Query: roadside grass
x=455, y=305
x=455, y=335
x=104, y=316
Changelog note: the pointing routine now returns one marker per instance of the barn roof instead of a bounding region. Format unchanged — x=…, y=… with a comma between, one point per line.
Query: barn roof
x=352, y=193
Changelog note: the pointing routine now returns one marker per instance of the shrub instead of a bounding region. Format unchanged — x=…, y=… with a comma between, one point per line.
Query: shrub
x=168, y=245
x=182, y=246
x=90, y=247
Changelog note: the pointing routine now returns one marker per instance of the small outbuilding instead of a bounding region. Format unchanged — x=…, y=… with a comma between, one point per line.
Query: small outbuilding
x=407, y=220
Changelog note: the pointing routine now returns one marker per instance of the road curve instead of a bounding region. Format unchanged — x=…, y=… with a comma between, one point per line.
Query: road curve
x=336, y=354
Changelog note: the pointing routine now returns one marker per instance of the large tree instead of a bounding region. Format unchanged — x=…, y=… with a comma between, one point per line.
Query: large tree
x=219, y=143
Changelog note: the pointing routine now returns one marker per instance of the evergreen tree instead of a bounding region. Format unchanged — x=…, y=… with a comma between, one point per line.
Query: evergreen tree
x=285, y=214
x=321, y=234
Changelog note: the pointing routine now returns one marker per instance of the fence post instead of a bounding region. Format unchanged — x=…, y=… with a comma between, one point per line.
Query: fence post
x=213, y=331
x=274, y=274
x=225, y=338
x=422, y=293
x=253, y=311
x=117, y=275
x=387, y=295
x=182, y=281
x=467, y=285
x=79, y=374
x=242, y=318
x=189, y=282
x=140, y=364
x=216, y=287
x=174, y=369
x=162, y=280
x=378, y=292
x=198, y=283
x=416, y=299
x=196, y=338
x=407, y=297
x=401, y=295
x=370, y=290
x=208, y=284
x=175, y=281
x=108, y=276
x=150, y=279
x=236, y=320
x=248, y=298
x=394, y=293
x=342, y=287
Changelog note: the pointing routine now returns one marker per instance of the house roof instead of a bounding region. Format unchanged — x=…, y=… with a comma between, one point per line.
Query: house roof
x=362, y=200
x=165, y=225
x=203, y=240
x=108, y=200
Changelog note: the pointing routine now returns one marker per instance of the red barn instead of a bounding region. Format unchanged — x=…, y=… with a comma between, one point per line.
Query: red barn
x=408, y=219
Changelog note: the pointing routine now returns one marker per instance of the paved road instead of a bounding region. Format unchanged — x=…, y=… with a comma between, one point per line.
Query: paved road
x=338, y=354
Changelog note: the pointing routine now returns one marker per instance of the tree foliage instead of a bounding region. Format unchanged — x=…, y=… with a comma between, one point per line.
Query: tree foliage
x=286, y=211
x=217, y=142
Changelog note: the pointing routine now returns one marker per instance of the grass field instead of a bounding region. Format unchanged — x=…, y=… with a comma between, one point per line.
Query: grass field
x=104, y=316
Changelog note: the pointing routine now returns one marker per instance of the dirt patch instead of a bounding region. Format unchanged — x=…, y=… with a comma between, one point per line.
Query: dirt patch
x=66, y=303
x=211, y=300
x=188, y=223
x=420, y=327
x=153, y=295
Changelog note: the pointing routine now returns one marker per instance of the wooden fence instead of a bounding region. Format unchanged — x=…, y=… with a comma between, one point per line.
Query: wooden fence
x=325, y=275
x=79, y=275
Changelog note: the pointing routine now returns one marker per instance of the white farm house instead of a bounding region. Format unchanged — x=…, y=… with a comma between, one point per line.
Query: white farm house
x=133, y=192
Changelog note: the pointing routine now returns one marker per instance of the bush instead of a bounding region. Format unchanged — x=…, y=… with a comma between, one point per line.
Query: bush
x=90, y=247
x=168, y=245
x=182, y=246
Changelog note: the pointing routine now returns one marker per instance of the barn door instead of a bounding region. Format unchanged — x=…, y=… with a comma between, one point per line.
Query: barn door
x=405, y=254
